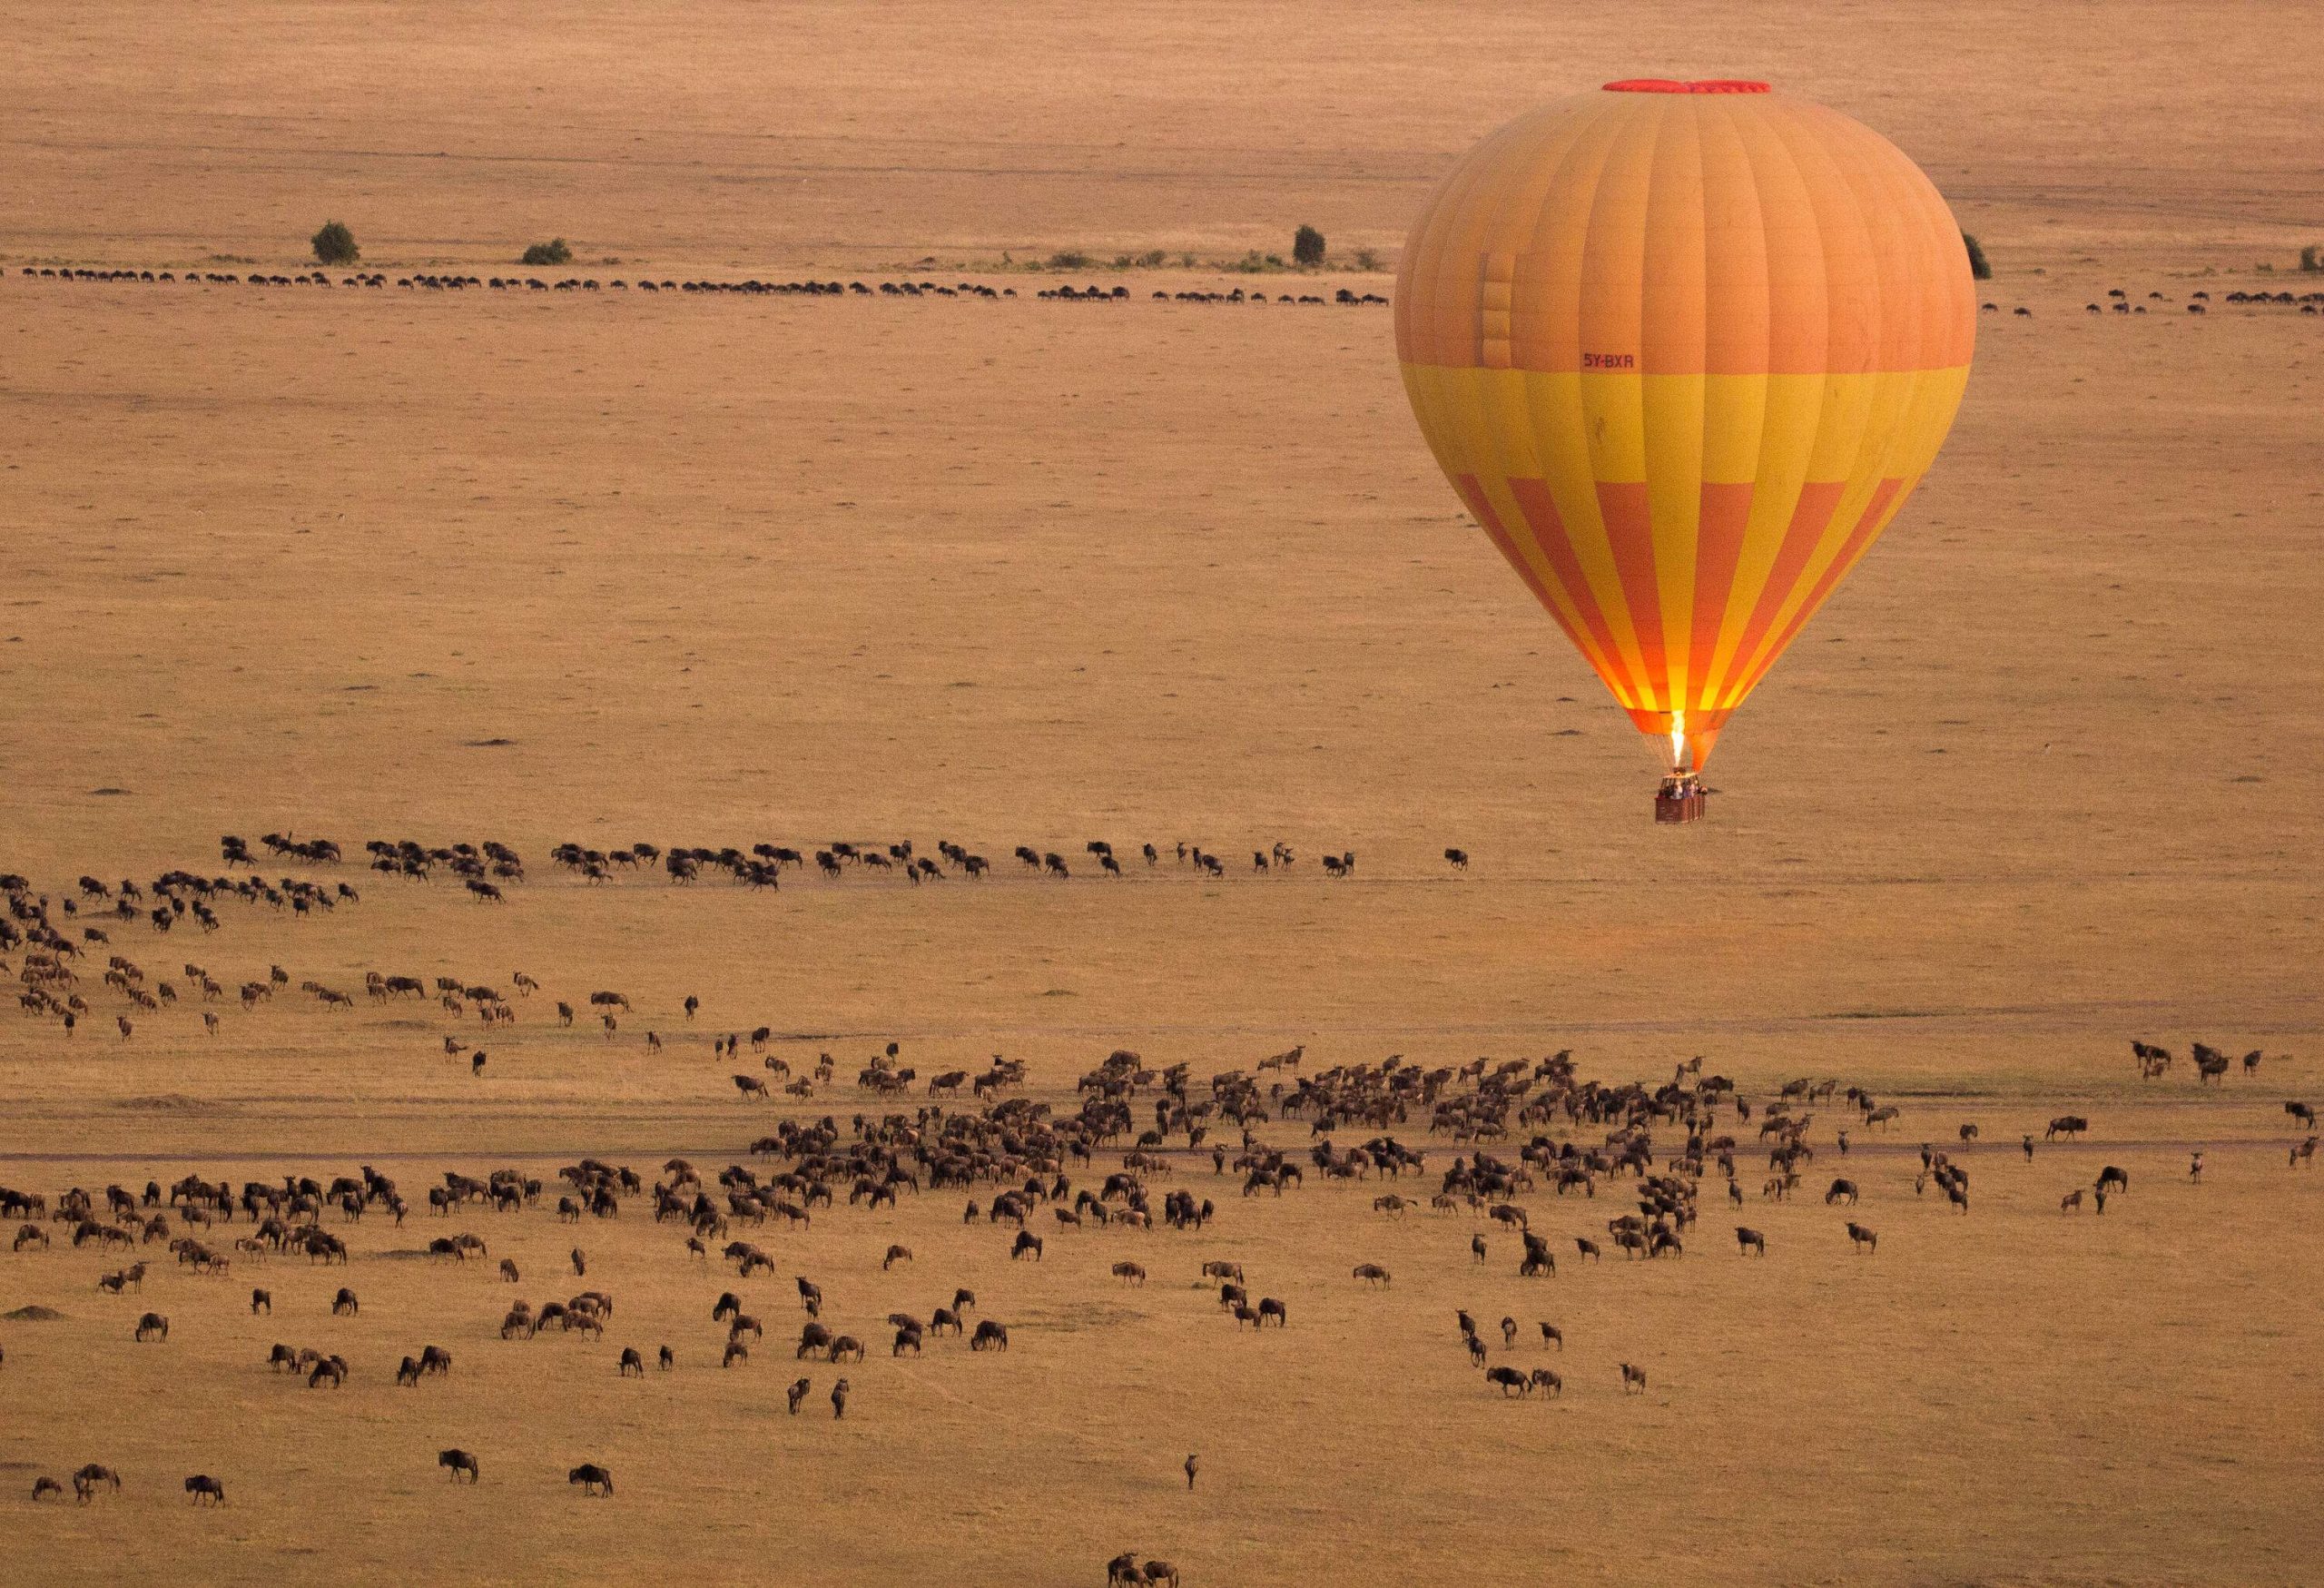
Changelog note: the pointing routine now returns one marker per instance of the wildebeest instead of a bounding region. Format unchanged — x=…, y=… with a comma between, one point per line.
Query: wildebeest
x=1372, y=1273
x=2065, y=1125
x=839, y=1399
x=1633, y=1378
x=991, y=1336
x=1862, y=1239
x=1842, y=1190
x=2113, y=1178
x=797, y=1394
x=1546, y=1378
x=593, y=1479
x=1027, y=1241
x=344, y=1304
x=153, y=1326
x=631, y=1357
x=1750, y=1240
x=1511, y=1380
x=202, y=1486
x=85, y=1482
x=1130, y=1273
x=456, y=1461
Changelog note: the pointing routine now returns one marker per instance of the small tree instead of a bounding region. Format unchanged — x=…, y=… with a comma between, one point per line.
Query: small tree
x=552, y=252
x=1978, y=268
x=335, y=244
x=2312, y=257
x=1307, y=246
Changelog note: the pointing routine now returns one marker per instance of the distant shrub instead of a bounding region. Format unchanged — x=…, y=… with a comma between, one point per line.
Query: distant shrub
x=1978, y=268
x=1153, y=258
x=552, y=252
x=335, y=244
x=2312, y=257
x=1070, y=260
x=1307, y=246
x=1366, y=259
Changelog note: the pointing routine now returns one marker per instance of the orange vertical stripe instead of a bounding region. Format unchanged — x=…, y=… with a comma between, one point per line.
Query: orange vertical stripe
x=1548, y=534
x=1629, y=530
x=1818, y=499
x=1718, y=546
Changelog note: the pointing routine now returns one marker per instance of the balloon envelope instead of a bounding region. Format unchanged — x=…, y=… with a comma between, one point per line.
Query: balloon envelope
x=1684, y=350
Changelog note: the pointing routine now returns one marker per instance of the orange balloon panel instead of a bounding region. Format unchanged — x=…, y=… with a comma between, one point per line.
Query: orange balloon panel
x=1684, y=350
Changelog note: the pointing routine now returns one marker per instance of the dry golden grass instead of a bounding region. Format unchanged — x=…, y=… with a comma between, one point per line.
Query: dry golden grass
x=721, y=572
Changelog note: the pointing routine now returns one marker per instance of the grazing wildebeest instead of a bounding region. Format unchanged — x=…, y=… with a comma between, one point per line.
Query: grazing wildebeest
x=735, y=1352
x=43, y=1487
x=2113, y=1178
x=1750, y=1240
x=1511, y=1380
x=593, y=1479
x=1269, y=1308
x=797, y=1394
x=1027, y=1241
x=344, y=1304
x=332, y=1369
x=261, y=1301
x=155, y=1325
x=631, y=1357
x=1633, y=1377
x=85, y=1482
x=1159, y=1572
x=203, y=1486
x=812, y=1338
x=896, y=1254
x=1862, y=1239
x=455, y=1462
x=1371, y=1273
x=408, y=1373
x=1121, y=1572
x=1841, y=1191
x=989, y=1336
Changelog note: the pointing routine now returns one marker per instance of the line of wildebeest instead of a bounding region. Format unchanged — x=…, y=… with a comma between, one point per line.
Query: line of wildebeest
x=432, y=282
x=55, y=934
x=1514, y=1127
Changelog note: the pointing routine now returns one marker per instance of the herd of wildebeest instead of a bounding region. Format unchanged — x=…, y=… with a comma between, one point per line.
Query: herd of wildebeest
x=2118, y=299
x=1132, y=1146
x=750, y=287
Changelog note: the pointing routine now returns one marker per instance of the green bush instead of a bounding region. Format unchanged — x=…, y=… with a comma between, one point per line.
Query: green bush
x=1307, y=246
x=335, y=244
x=1978, y=268
x=1153, y=258
x=1070, y=260
x=552, y=252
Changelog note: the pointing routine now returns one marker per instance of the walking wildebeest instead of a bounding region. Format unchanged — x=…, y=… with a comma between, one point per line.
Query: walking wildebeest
x=593, y=1479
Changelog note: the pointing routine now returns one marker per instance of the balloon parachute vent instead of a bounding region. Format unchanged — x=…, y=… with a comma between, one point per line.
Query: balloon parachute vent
x=1700, y=85
x=1680, y=799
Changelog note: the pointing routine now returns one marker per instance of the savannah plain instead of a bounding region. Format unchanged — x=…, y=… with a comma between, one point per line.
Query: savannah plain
x=707, y=569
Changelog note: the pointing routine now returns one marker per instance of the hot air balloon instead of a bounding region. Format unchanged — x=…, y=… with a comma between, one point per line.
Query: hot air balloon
x=1684, y=348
